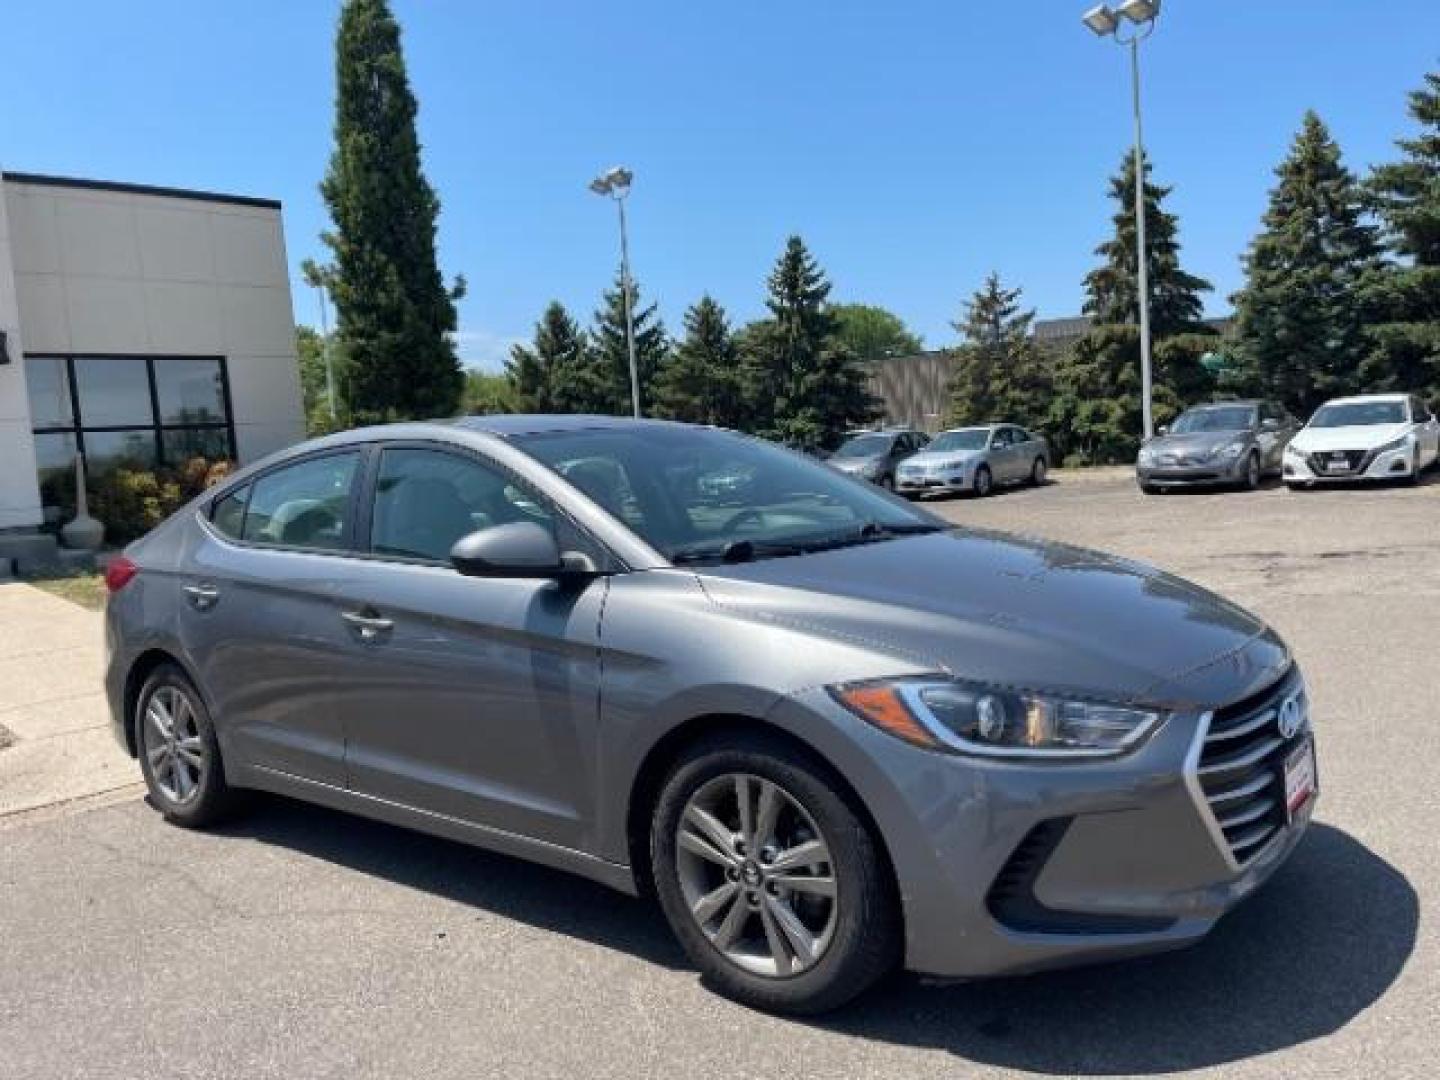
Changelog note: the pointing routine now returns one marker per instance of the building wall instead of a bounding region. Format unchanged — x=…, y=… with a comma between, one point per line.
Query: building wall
x=103, y=271
x=19, y=493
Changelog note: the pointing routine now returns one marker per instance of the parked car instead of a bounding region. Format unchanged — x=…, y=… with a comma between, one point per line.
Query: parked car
x=1375, y=437
x=873, y=455
x=832, y=732
x=975, y=459
x=1235, y=443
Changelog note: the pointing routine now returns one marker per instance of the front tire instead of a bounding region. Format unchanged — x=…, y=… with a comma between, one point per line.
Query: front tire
x=984, y=482
x=179, y=754
x=1251, y=480
x=770, y=880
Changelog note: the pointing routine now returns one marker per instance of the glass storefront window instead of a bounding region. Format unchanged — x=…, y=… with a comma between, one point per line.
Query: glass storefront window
x=114, y=391
x=189, y=391
x=48, y=381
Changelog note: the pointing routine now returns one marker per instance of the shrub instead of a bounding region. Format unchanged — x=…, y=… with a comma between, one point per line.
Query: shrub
x=131, y=501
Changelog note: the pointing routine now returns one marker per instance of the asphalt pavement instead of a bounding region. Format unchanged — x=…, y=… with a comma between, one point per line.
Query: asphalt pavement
x=301, y=943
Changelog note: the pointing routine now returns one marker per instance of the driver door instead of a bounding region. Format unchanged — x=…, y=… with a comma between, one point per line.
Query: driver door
x=471, y=698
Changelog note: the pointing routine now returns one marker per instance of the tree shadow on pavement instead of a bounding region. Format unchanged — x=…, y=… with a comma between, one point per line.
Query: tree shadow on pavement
x=513, y=888
x=1305, y=955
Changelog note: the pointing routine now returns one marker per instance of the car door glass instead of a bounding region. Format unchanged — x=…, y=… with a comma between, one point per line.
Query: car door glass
x=425, y=500
x=305, y=505
x=228, y=514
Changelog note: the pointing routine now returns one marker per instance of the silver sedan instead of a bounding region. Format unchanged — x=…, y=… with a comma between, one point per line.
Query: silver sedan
x=975, y=459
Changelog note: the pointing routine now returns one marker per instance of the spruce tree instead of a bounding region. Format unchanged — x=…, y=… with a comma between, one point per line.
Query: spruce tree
x=542, y=375
x=802, y=386
x=1301, y=315
x=1111, y=288
x=1000, y=372
x=611, y=356
x=701, y=381
x=395, y=315
x=1406, y=341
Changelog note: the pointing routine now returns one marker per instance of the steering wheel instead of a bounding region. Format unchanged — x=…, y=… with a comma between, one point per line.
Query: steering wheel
x=749, y=513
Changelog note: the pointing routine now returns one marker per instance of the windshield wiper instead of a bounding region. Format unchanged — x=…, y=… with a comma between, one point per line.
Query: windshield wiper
x=736, y=551
x=871, y=532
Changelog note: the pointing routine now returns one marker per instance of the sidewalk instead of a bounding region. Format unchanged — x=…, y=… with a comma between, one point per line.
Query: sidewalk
x=53, y=706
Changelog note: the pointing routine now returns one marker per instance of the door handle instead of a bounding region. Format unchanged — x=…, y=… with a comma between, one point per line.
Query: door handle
x=371, y=628
x=202, y=597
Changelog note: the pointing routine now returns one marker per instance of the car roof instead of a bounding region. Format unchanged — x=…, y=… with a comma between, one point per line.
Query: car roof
x=1227, y=404
x=1356, y=398
x=976, y=427
x=506, y=425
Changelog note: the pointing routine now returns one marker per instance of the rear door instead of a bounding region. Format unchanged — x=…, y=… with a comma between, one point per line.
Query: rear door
x=1004, y=456
x=473, y=698
x=259, y=617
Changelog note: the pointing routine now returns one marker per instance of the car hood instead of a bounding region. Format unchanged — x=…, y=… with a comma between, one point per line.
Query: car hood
x=1193, y=444
x=1016, y=611
x=942, y=457
x=1359, y=437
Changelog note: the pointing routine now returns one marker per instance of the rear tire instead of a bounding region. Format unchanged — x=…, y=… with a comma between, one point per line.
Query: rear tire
x=984, y=482
x=179, y=754
x=735, y=916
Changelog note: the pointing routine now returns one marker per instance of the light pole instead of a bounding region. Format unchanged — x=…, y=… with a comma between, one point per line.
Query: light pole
x=616, y=184
x=1107, y=22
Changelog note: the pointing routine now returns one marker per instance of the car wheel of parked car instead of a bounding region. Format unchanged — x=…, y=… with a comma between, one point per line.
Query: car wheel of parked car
x=983, y=481
x=1038, y=472
x=771, y=881
x=179, y=756
x=1252, y=472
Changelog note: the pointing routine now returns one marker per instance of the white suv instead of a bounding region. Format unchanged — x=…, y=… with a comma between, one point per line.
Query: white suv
x=1375, y=437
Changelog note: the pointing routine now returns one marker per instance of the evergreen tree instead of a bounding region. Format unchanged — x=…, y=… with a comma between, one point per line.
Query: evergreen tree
x=395, y=313
x=701, y=381
x=802, y=386
x=1406, y=341
x=542, y=375
x=1000, y=372
x=1111, y=288
x=1301, y=315
x=872, y=333
x=611, y=356
x=487, y=393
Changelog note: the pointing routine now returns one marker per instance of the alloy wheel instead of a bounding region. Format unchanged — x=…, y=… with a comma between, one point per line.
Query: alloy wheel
x=757, y=875
x=173, y=746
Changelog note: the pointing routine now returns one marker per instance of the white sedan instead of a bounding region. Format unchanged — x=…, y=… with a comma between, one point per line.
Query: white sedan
x=1376, y=437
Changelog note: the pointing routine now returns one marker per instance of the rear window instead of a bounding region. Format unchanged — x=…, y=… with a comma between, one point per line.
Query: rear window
x=305, y=505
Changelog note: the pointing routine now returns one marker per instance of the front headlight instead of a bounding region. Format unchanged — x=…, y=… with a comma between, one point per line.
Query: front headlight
x=969, y=718
x=1147, y=455
x=1291, y=451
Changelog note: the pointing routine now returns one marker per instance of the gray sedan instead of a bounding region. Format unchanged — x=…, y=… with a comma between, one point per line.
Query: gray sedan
x=1235, y=443
x=975, y=459
x=832, y=733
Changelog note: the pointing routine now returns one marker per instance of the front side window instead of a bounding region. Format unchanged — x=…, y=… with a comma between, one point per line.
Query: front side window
x=305, y=505
x=426, y=500
x=697, y=493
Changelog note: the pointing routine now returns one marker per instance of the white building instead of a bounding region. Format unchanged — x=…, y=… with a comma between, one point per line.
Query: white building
x=141, y=325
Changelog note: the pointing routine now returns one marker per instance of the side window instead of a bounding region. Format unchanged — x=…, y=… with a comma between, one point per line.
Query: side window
x=228, y=514
x=1001, y=439
x=425, y=500
x=303, y=505
x=1419, y=410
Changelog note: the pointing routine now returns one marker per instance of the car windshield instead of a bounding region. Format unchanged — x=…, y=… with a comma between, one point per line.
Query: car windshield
x=969, y=439
x=698, y=494
x=1229, y=418
x=864, y=446
x=1359, y=414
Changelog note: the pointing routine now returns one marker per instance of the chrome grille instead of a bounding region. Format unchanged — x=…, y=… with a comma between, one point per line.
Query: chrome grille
x=1241, y=765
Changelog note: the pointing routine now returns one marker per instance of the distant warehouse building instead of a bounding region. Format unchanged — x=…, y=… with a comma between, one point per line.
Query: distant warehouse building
x=914, y=391
x=139, y=326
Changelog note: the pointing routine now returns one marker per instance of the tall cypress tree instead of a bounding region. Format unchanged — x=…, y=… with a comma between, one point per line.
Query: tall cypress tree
x=801, y=384
x=1302, y=313
x=1406, y=341
x=700, y=382
x=542, y=375
x=395, y=313
x=611, y=355
x=1000, y=371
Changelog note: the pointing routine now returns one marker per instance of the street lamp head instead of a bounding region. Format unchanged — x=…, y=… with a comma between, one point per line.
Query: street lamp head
x=1140, y=11
x=615, y=182
x=1101, y=20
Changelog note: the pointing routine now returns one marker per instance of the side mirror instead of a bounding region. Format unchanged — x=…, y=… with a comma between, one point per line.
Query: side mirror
x=520, y=549
x=1269, y=424
x=1163, y=429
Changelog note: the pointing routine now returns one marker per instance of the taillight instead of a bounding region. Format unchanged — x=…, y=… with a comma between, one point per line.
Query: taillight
x=119, y=572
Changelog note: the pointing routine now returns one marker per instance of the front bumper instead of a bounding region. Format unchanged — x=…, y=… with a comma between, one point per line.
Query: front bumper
x=1392, y=465
x=1012, y=867
x=1200, y=475
x=947, y=482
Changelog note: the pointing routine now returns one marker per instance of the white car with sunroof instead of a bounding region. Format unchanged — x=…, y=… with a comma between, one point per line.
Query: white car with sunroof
x=1375, y=437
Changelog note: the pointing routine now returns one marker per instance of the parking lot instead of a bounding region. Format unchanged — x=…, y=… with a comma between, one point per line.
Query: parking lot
x=301, y=943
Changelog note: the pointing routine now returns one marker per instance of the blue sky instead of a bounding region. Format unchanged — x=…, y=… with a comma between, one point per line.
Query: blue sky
x=916, y=146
